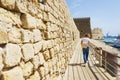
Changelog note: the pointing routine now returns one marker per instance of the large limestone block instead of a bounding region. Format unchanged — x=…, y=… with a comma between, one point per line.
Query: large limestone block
x=44, y=47
x=27, y=69
x=9, y=4
x=46, y=55
x=42, y=7
x=40, y=24
x=16, y=19
x=27, y=36
x=3, y=37
x=47, y=69
x=51, y=17
x=52, y=27
x=13, y=55
x=13, y=74
x=38, y=60
x=41, y=57
x=56, y=49
x=28, y=51
x=41, y=71
x=37, y=35
x=32, y=8
x=14, y=35
x=52, y=53
x=1, y=59
x=37, y=47
x=45, y=17
x=35, y=76
x=10, y=17
x=47, y=35
x=5, y=26
x=47, y=8
x=21, y=6
x=28, y=21
x=49, y=44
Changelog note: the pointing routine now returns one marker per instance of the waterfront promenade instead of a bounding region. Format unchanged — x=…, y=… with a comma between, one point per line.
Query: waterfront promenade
x=92, y=71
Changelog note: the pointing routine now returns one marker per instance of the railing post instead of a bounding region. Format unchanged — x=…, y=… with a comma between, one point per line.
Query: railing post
x=100, y=61
x=105, y=61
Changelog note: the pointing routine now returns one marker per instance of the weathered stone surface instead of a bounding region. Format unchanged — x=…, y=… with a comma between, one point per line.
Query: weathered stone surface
x=9, y=4
x=40, y=24
x=52, y=53
x=35, y=76
x=52, y=27
x=45, y=17
x=13, y=55
x=36, y=61
x=1, y=59
x=16, y=19
x=27, y=36
x=47, y=69
x=5, y=26
x=47, y=35
x=49, y=44
x=32, y=10
x=46, y=55
x=27, y=69
x=42, y=7
x=41, y=57
x=14, y=35
x=37, y=47
x=28, y=21
x=3, y=37
x=51, y=18
x=21, y=6
x=41, y=71
x=13, y=74
x=44, y=45
x=28, y=51
x=37, y=35
x=9, y=17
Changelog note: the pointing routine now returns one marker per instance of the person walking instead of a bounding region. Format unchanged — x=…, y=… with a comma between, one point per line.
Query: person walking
x=85, y=43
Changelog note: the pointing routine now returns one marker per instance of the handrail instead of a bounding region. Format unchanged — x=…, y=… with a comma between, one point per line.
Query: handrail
x=111, y=53
x=107, y=61
x=105, y=51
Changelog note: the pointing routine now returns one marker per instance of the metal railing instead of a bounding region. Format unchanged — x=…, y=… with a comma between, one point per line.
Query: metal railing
x=107, y=60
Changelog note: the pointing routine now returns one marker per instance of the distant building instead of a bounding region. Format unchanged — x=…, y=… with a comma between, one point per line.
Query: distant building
x=83, y=25
x=97, y=33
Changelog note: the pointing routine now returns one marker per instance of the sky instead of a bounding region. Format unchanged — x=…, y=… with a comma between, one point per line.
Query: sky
x=104, y=14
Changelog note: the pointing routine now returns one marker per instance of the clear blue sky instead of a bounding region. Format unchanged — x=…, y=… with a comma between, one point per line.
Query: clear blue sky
x=104, y=14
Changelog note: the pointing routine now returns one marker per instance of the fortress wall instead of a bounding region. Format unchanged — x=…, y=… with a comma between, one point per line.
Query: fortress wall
x=37, y=39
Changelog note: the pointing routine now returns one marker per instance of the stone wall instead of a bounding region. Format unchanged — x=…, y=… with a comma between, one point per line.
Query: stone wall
x=37, y=39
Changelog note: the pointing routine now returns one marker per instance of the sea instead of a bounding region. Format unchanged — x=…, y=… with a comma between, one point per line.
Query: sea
x=111, y=41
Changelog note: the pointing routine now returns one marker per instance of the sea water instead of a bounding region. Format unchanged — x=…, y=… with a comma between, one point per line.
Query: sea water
x=111, y=40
